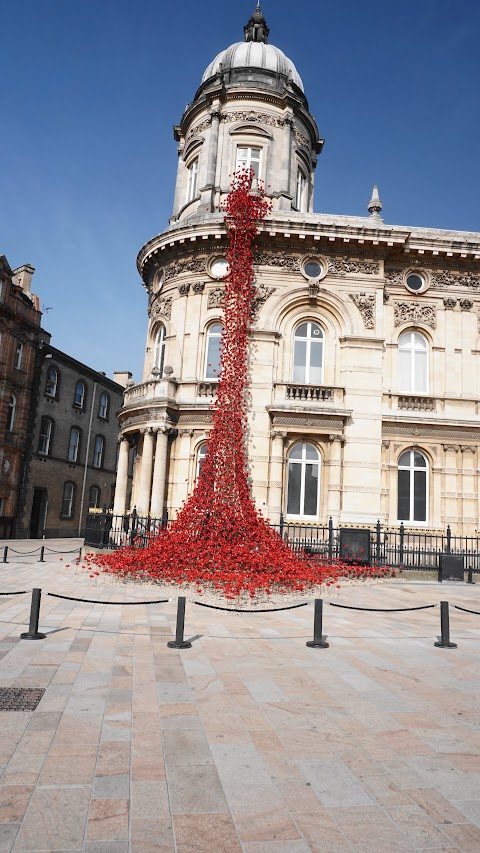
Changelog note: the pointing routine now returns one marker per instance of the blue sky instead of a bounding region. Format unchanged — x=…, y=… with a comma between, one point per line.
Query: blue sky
x=90, y=91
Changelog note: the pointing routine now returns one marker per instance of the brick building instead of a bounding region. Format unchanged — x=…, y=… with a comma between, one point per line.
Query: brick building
x=72, y=452
x=20, y=336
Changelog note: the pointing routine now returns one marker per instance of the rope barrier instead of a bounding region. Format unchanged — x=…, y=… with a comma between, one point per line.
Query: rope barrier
x=23, y=553
x=382, y=609
x=92, y=601
x=22, y=592
x=53, y=551
x=465, y=609
x=244, y=610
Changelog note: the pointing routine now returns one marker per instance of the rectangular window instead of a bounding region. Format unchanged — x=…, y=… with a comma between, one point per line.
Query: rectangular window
x=74, y=445
x=249, y=158
x=98, y=451
x=420, y=496
x=294, y=488
x=67, y=501
x=301, y=191
x=404, y=495
x=18, y=356
x=192, y=180
x=45, y=436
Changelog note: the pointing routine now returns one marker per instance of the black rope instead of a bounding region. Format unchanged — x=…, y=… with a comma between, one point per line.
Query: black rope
x=465, y=609
x=244, y=610
x=53, y=551
x=22, y=592
x=23, y=553
x=381, y=609
x=92, y=601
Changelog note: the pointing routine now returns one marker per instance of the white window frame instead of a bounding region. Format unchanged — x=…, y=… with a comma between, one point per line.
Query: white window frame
x=94, y=504
x=159, y=349
x=68, y=499
x=414, y=350
x=98, y=451
x=79, y=404
x=51, y=385
x=18, y=356
x=192, y=180
x=309, y=339
x=210, y=336
x=44, y=438
x=249, y=161
x=301, y=191
x=74, y=446
x=12, y=411
x=303, y=462
x=411, y=469
x=201, y=456
x=103, y=406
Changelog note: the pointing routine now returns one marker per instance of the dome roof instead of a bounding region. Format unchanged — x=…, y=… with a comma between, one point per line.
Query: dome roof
x=254, y=54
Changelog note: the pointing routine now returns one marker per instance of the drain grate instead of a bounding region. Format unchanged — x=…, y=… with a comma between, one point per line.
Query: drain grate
x=20, y=698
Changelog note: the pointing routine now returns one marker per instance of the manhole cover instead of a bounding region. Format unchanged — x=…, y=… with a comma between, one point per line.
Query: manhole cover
x=20, y=698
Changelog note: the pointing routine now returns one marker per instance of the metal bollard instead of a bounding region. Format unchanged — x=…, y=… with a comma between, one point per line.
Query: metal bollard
x=470, y=575
x=179, y=642
x=42, y=551
x=5, y=552
x=319, y=640
x=443, y=642
x=33, y=632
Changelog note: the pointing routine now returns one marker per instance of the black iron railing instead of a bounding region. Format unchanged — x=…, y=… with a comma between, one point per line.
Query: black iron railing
x=399, y=547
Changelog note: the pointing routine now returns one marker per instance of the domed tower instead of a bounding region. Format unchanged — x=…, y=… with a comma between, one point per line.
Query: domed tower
x=250, y=110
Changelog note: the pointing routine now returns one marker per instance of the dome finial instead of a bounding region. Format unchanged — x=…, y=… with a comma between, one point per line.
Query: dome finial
x=375, y=205
x=256, y=29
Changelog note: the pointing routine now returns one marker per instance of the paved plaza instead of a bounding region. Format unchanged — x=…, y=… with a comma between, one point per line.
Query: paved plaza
x=249, y=741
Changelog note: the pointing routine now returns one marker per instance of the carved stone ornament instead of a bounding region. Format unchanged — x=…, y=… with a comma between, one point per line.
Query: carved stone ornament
x=394, y=276
x=413, y=312
x=183, y=289
x=161, y=307
x=300, y=137
x=450, y=303
x=253, y=115
x=366, y=306
x=446, y=279
x=191, y=264
x=261, y=295
x=270, y=259
x=199, y=128
x=466, y=304
x=198, y=287
x=343, y=266
x=216, y=297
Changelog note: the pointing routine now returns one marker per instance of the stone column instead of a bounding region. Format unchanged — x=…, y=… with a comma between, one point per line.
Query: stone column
x=208, y=190
x=119, y=504
x=335, y=478
x=159, y=471
x=275, y=480
x=451, y=507
x=144, y=488
x=285, y=188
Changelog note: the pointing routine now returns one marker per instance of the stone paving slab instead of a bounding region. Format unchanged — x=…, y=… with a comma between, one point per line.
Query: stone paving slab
x=248, y=742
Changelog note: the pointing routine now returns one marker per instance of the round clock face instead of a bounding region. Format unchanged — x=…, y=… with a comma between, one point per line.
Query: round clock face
x=219, y=267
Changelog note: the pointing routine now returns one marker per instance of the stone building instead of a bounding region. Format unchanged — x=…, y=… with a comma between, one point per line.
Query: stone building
x=365, y=344
x=20, y=334
x=72, y=452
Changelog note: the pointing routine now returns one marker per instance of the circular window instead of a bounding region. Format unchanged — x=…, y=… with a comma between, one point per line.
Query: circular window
x=219, y=267
x=313, y=269
x=416, y=282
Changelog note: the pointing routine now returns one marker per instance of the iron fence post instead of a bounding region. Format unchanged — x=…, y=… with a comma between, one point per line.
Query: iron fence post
x=33, y=633
x=379, y=540
x=449, y=540
x=133, y=529
x=281, y=525
x=443, y=641
x=402, y=534
x=330, y=538
x=179, y=642
x=164, y=519
x=319, y=639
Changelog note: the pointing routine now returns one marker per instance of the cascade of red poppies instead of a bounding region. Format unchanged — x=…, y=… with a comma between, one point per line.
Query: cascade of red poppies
x=220, y=538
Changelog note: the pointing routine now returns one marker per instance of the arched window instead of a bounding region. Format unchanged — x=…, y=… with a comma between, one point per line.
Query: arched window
x=301, y=191
x=52, y=382
x=12, y=407
x=213, y=351
x=412, y=486
x=79, y=398
x=94, y=497
x=98, y=451
x=103, y=406
x=308, y=344
x=413, y=363
x=303, y=489
x=68, y=500
x=45, y=436
x=192, y=182
x=74, y=445
x=201, y=456
x=159, y=350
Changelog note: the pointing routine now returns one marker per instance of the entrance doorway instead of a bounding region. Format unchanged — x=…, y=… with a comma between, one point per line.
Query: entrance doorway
x=39, y=513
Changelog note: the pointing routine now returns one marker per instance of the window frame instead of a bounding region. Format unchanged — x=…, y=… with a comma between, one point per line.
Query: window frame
x=97, y=503
x=74, y=448
x=12, y=413
x=414, y=351
x=308, y=367
x=201, y=455
x=301, y=187
x=80, y=402
x=17, y=361
x=48, y=393
x=70, y=499
x=246, y=162
x=303, y=462
x=45, y=438
x=158, y=361
x=411, y=468
x=103, y=412
x=209, y=337
x=192, y=179
x=98, y=460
